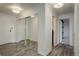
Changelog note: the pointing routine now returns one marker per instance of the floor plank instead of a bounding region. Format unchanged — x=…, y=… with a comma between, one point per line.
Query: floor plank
x=62, y=50
x=19, y=49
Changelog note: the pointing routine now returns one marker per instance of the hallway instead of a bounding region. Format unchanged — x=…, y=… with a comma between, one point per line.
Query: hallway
x=62, y=50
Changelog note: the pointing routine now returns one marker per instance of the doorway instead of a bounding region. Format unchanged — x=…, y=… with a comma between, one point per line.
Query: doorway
x=53, y=31
x=64, y=31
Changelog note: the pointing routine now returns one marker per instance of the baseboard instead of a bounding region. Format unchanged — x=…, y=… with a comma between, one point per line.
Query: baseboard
x=6, y=43
x=10, y=42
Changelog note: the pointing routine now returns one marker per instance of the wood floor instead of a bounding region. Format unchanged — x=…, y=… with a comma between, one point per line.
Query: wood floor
x=62, y=50
x=18, y=49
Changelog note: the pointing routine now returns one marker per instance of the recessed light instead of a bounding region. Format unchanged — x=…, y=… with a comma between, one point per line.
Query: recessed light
x=16, y=9
x=58, y=5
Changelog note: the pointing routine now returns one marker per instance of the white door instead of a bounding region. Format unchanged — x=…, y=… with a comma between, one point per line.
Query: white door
x=20, y=30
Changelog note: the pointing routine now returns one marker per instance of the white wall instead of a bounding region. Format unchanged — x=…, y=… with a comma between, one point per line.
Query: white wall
x=40, y=9
x=20, y=30
x=7, y=22
x=44, y=14
x=48, y=28
x=33, y=33
x=69, y=16
x=76, y=30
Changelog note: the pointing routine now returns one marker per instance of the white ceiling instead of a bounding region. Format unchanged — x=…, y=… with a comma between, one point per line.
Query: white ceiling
x=4, y=7
x=67, y=8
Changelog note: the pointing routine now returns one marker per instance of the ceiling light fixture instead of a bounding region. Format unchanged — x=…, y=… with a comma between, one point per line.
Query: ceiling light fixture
x=58, y=5
x=16, y=9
